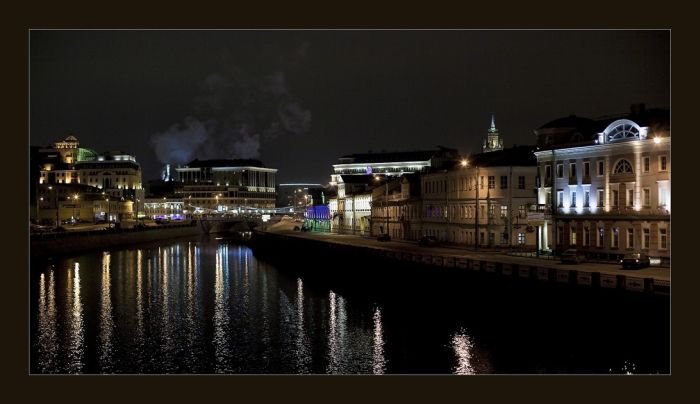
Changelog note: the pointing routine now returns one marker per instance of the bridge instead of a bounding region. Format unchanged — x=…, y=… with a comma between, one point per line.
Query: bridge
x=222, y=224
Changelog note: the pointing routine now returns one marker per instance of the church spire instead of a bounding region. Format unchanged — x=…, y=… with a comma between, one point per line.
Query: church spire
x=493, y=142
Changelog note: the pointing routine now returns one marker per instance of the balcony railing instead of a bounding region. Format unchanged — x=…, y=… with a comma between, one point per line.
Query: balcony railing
x=542, y=208
x=616, y=211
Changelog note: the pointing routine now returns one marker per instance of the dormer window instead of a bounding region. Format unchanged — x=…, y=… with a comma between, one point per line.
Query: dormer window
x=623, y=129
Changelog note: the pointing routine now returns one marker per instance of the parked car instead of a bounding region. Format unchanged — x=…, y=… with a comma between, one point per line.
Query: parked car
x=635, y=260
x=427, y=241
x=384, y=237
x=572, y=256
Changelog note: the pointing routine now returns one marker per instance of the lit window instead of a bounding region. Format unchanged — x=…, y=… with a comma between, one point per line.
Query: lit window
x=615, y=237
x=622, y=132
x=573, y=236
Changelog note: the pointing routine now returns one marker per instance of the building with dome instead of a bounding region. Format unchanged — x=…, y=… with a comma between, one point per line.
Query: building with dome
x=604, y=185
x=73, y=183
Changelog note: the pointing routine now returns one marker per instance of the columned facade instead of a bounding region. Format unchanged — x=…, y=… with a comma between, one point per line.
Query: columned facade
x=610, y=196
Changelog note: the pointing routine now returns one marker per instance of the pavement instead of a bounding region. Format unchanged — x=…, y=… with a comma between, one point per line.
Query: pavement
x=655, y=272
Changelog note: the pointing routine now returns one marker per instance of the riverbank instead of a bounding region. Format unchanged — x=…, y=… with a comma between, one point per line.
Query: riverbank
x=334, y=247
x=75, y=242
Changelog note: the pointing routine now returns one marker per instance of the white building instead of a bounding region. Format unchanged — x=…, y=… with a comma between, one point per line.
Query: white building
x=605, y=185
x=227, y=186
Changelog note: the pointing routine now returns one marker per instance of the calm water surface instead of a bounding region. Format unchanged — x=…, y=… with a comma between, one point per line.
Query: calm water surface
x=211, y=306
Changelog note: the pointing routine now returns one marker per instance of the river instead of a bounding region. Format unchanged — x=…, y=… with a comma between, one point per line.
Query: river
x=207, y=306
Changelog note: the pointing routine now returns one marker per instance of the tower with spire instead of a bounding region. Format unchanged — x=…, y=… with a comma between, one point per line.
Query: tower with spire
x=492, y=141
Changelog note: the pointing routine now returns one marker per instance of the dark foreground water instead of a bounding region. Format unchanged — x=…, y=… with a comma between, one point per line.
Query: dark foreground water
x=211, y=306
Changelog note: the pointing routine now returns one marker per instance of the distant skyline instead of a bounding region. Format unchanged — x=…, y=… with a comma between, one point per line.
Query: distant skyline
x=299, y=99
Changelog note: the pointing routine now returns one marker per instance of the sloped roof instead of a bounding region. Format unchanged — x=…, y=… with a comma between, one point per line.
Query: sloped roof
x=514, y=156
x=388, y=157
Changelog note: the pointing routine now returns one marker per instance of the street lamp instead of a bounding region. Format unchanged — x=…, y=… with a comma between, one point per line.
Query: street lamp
x=75, y=205
x=109, y=214
x=465, y=163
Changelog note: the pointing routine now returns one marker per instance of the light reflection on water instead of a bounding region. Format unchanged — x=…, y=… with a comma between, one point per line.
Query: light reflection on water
x=378, y=360
x=75, y=340
x=48, y=338
x=463, y=348
x=106, y=322
x=221, y=320
x=213, y=307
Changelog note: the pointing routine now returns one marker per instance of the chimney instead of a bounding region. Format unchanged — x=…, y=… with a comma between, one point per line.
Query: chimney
x=637, y=109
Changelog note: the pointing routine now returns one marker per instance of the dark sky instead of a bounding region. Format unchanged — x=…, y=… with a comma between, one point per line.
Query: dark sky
x=300, y=99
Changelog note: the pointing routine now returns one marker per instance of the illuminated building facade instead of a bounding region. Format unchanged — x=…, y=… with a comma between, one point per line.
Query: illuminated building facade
x=227, y=186
x=354, y=178
x=605, y=184
x=396, y=206
x=164, y=208
x=482, y=202
x=69, y=173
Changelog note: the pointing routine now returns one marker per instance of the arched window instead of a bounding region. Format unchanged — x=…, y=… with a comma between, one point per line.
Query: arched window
x=626, y=130
x=622, y=167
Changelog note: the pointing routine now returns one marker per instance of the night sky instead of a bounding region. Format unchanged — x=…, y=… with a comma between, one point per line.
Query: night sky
x=298, y=100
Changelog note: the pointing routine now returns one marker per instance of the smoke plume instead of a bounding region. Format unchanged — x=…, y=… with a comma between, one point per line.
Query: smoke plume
x=233, y=116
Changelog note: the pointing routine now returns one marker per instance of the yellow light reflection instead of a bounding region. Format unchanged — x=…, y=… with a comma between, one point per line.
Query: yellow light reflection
x=106, y=320
x=139, y=298
x=75, y=344
x=47, y=328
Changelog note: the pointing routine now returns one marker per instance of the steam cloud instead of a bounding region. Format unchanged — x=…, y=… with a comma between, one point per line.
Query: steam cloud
x=234, y=114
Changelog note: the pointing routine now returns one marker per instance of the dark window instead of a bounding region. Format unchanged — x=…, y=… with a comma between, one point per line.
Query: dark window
x=521, y=182
x=504, y=182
